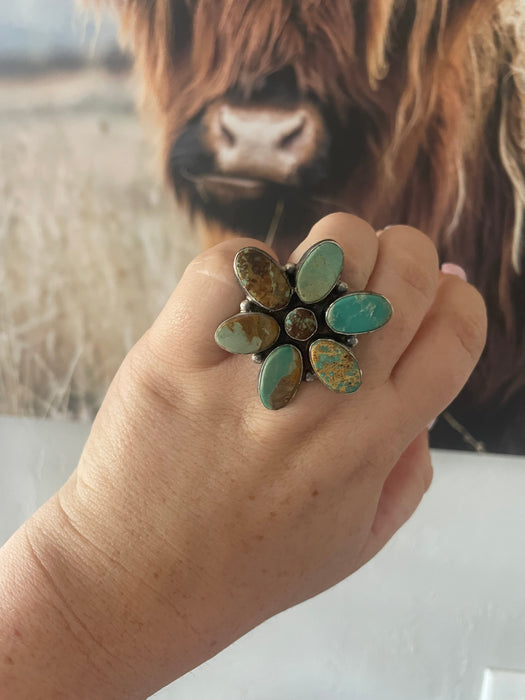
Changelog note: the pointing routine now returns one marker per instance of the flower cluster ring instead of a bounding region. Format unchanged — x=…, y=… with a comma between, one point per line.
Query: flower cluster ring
x=300, y=321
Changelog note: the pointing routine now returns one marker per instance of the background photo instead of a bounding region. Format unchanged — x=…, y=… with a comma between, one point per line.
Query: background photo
x=92, y=241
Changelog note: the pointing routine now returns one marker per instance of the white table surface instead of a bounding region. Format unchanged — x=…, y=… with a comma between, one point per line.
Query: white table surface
x=426, y=620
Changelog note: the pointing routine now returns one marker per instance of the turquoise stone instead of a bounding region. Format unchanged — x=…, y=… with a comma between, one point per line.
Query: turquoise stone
x=262, y=278
x=247, y=333
x=335, y=366
x=280, y=376
x=318, y=271
x=359, y=312
x=300, y=324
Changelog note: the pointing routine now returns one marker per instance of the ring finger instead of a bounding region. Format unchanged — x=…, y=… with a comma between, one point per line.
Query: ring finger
x=407, y=274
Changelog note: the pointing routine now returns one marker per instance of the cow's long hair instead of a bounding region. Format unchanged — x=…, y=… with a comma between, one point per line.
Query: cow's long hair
x=440, y=87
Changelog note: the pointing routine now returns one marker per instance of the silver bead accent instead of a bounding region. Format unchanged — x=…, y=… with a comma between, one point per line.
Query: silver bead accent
x=290, y=268
x=257, y=358
x=352, y=341
x=310, y=377
x=245, y=306
x=342, y=287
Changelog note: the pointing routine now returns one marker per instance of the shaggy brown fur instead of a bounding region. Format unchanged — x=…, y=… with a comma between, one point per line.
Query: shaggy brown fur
x=438, y=88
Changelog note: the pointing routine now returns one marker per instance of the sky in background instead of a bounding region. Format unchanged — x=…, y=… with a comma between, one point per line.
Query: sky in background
x=40, y=29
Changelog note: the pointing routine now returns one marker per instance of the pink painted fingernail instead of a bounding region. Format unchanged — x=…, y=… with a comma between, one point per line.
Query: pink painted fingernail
x=452, y=269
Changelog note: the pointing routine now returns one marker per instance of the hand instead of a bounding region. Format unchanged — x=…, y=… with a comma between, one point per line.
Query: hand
x=195, y=513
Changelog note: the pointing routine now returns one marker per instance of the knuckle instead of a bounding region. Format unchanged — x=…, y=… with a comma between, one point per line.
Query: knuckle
x=356, y=275
x=410, y=236
x=419, y=275
x=217, y=258
x=217, y=262
x=343, y=219
x=415, y=257
x=470, y=325
x=150, y=371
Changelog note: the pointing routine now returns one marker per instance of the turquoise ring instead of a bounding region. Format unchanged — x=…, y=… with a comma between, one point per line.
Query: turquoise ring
x=300, y=322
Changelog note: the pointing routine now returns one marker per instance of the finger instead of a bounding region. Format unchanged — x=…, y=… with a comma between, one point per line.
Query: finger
x=357, y=239
x=402, y=492
x=406, y=273
x=443, y=353
x=207, y=295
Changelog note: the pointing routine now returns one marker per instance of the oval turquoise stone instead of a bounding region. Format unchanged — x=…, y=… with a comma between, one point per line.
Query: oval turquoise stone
x=318, y=271
x=262, y=278
x=335, y=366
x=247, y=333
x=280, y=376
x=359, y=312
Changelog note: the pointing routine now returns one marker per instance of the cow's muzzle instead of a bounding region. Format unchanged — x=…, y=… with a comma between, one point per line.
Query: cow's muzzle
x=239, y=151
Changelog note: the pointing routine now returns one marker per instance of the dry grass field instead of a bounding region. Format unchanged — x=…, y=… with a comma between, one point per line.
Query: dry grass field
x=90, y=244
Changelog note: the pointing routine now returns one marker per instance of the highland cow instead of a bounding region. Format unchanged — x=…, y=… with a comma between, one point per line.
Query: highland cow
x=274, y=112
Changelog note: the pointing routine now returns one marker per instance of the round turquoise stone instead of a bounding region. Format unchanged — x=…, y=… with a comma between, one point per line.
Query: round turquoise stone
x=300, y=324
x=280, y=376
x=359, y=312
x=319, y=271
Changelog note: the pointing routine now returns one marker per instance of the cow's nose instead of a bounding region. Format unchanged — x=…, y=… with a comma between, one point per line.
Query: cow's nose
x=264, y=142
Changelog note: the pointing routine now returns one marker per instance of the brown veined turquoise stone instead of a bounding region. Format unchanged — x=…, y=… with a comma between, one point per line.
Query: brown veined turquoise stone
x=300, y=324
x=280, y=376
x=335, y=366
x=319, y=271
x=262, y=278
x=247, y=333
x=359, y=312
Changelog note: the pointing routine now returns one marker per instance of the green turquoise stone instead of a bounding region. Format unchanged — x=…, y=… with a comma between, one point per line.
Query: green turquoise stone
x=280, y=376
x=359, y=312
x=318, y=271
x=263, y=280
x=335, y=366
x=300, y=324
x=247, y=333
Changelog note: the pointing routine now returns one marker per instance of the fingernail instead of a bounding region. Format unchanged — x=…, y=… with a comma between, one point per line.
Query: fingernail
x=452, y=269
x=378, y=233
x=431, y=424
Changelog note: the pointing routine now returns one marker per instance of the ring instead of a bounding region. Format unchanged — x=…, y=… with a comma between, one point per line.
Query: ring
x=300, y=321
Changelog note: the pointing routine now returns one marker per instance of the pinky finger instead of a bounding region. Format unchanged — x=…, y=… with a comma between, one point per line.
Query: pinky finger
x=444, y=351
x=402, y=492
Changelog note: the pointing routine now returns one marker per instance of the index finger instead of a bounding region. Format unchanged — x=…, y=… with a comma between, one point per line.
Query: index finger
x=207, y=295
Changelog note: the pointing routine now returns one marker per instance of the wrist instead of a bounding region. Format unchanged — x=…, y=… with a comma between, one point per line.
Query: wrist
x=51, y=633
x=74, y=598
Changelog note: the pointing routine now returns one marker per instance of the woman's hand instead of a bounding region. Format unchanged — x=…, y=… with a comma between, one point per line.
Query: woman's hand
x=195, y=513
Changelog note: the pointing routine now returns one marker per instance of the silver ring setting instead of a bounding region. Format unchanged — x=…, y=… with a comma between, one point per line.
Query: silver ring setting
x=300, y=322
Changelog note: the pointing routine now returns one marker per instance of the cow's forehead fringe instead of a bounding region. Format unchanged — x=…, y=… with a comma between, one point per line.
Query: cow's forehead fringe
x=440, y=82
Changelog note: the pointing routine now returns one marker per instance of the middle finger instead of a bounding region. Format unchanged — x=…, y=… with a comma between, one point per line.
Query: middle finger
x=407, y=274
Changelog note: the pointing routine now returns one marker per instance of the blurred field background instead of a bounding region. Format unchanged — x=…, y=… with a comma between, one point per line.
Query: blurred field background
x=90, y=243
